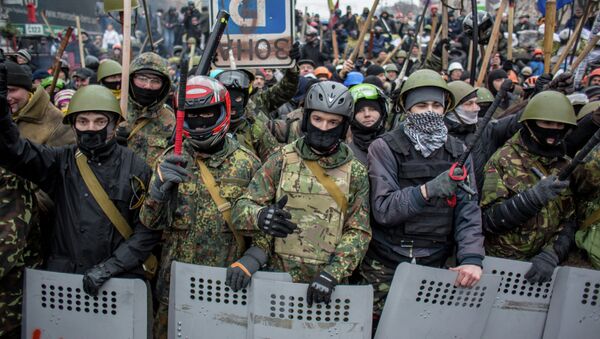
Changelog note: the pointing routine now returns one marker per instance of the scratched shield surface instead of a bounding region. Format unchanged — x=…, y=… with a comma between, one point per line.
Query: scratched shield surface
x=575, y=305
x=202, y=306
x=279, y=310
x=260, y=33
x=55, y=306
x=423, y=303
x=520, y=309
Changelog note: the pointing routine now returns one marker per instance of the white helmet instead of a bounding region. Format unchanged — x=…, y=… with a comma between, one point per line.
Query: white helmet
x=454, y=66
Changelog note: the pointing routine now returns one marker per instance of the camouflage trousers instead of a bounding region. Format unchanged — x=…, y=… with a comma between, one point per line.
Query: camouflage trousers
x=161, y=321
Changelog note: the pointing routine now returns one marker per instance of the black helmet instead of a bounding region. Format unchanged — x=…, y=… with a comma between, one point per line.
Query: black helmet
x=485, y=23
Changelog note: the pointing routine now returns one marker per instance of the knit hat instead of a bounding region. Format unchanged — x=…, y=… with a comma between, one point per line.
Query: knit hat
x=424, y=94
x=17, y=76
x=495, y=75
x=40, y=74
x=375, y=70
x=25, y=54
x=373, y=80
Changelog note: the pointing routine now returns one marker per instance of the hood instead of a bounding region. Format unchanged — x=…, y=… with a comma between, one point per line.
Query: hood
x=35, y=108
x=155, y=63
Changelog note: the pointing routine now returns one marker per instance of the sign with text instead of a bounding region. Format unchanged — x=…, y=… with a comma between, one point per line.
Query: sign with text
x=260, y=33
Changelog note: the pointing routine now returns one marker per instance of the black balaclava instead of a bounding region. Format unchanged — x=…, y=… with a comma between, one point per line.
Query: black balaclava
x=495, y=75
x=194, y=120
x=535, y=137
x=237, y=108
x=363, y=136
x=145, y=97
x=114, y=85
x=324, y=142
x=94, y=144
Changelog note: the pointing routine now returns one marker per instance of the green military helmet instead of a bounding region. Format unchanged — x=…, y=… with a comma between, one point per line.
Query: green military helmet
x=390, y=68
x=402, y=54
x=109, y=68
x=92, y=98
x=117, y=5
x=484, y=96
x=550, y=106
x=587, y=109
x=426, y=78
x=461, y=90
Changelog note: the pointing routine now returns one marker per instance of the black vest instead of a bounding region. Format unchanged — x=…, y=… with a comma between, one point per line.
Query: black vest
x=432, y=227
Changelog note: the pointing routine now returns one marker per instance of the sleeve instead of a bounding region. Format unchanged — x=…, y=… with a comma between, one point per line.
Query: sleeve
x=468, y=232
x=264, y=142
x=36, y=163
x=16, y=210
x=280, y=93
x=357, y=232
x=390, y=204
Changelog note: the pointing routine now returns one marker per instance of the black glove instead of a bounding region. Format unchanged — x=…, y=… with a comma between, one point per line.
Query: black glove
x=437, y=51
x=171, y=171
x=96, y=276
x=563, y=83
x=542, y=267
x=442, y=186
x=122, y=134
x=295, y=52
x=320, y=289
x=240, y=272
x=548, y=189
x=275, y=221
x=565, y=240
x=542, y=81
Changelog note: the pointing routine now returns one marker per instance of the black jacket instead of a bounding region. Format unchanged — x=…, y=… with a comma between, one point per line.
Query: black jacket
x=82, y=235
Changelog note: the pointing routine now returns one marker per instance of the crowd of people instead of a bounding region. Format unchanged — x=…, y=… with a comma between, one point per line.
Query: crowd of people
x=334, y=170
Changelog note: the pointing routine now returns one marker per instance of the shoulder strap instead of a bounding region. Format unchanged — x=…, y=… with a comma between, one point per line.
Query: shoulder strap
x=222, y=205
x=330, y=185
x=592, y=219
x=137, y=128
x=108, y=207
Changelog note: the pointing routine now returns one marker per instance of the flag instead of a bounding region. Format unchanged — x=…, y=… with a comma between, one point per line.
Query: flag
x=331, y=5
x=541, y=5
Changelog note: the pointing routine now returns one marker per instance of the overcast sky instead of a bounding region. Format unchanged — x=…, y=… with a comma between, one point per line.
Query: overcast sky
x=320, y=6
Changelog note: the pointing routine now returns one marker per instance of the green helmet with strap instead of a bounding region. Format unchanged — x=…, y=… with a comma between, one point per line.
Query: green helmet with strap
x=550, y=106
x=92, y=98
x=109, y=68
x=426, y=78
x=117, y=5
x=369, y=92
x=461, y=90
x=587, y=109
x=484, y=96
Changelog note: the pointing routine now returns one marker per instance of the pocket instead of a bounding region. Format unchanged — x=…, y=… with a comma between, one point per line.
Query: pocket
x=185, y=210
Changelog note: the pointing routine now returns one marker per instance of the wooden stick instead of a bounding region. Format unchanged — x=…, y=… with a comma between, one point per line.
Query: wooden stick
x=346, y=49
x=191, y=59
x=56, y=67
x=304, y=24
x=444, y=36
x=511, y=23
x=336, y=51
x=574, y=37
x=126, y=56
x=45, y=18
x=432, y=34
x=361, y=36
x=490, y=47
x=471, y=51
x=81, y=52
x=588, y=48
x=550, y=22
x=391, y=55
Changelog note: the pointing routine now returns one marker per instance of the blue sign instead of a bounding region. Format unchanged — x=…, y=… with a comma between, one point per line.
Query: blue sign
x=254, y=16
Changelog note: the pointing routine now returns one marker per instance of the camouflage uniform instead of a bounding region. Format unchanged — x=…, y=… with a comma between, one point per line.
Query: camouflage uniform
x=507, y=173
x=19, y=247
x=327, y=241
x=587, y=184
x=158, y=120
x=287, y=130
x=253, y=132
x=195, y=231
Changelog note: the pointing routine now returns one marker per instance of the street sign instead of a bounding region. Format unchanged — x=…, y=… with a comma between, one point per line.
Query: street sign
x=260, y=33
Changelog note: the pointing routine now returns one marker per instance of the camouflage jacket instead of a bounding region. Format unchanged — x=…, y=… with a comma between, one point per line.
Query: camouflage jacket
x=508, y=173
x=151, y=126
x=19, y=245
x=269, y=100
x=256, y=136
x=195, y=230
x=587, y=185
x=356, y=231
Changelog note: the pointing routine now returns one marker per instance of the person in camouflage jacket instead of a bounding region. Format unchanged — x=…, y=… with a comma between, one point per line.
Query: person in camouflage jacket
x=196, y=230
x=19, y=247
x=527, y=217
x=150, y=121
x=316, y=238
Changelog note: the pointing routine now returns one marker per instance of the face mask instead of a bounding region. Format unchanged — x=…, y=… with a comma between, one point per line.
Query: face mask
x=324, y=142
x=463, y=117
x=145, y=97
x=363, y=136
x=91, y=142
x=543, y=134
x=237, y=107
x=112, y=85
x=426, y=131
x=534, y=141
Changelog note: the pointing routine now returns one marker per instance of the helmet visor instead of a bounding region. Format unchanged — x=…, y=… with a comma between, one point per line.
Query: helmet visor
x=234, y=79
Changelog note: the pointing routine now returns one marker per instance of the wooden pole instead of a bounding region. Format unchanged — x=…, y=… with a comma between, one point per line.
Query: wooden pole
x=511, y=26
x=588, y=48
x=126, y=56
x=471, y=51
x=45, y=18
x=550, y=22
x=434, y=21
x=81, y=52
x=444, y=36
x=61, y=48
x=191, y=59
x=361, y=36
x=491, y=44
x=336, y=50
x=392, y=54
x=574, y=37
